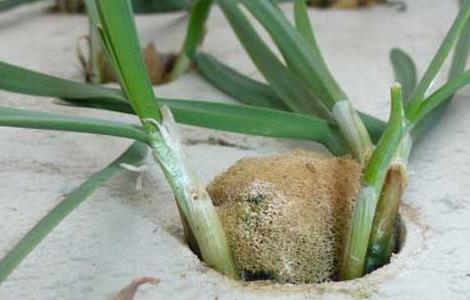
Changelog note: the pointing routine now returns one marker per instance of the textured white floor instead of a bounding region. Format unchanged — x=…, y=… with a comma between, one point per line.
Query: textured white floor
x=120, y=234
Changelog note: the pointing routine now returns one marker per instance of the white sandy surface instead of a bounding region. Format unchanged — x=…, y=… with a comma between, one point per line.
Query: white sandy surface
x=120, y=234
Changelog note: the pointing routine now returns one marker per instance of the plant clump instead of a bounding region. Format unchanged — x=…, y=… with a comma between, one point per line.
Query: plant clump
x=286, y=216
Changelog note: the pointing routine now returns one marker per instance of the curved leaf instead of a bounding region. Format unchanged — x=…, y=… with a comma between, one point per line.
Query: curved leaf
x=14, y=117
x=119, y=35
x=405, y=72
x=290, y=87
x=194, y=35
x=439, y=96
x=244, y=89
x=301, y=57
x=262, y=122
x=252, y=92
x=133, y=155
x=446, y=46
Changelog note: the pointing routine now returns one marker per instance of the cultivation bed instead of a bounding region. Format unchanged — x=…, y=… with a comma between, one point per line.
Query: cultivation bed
x=120, y=233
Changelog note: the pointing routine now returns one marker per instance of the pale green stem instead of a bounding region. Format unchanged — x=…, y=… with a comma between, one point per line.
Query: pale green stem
x=354, y=130
x=191, y=195
x=372, y=185
x=381, y=243
x=194, y=36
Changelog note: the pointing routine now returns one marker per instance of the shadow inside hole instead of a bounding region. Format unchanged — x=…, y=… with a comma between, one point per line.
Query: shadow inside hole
x=397, y=244
x=269, y=277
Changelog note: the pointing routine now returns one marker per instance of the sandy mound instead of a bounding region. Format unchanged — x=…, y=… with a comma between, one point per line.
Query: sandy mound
x=286, y=215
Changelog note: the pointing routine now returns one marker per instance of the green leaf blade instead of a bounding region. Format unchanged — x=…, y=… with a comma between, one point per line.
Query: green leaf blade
x=252, y=92
x=440, y=96
x=244, y=89
x=255, y=121
x=120, y=35
x=302, y=22
x=388, y=143
x=194, y=35
x=14, y=117
x=405, y=71
x=133, y=155
x=372, y=183
x=459, y=62
x=304, y=26
x=446, y=46
x=20, y=80
x=286, y=84
x=301, y=57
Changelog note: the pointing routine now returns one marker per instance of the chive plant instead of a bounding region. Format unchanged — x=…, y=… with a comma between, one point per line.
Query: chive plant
x=117, y=31
x=220, y=116
x=303, y=84
x=311, y=117
x=119, y=37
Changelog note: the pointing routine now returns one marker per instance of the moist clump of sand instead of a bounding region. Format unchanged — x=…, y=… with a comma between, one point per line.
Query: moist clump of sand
x=286, y=215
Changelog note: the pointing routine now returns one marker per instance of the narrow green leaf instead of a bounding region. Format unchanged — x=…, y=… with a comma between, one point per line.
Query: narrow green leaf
x=25, y=81
x=374, y=126
x=194, y=35
x=446, y=46
x=14, y=117
x=196, y=27
x=382, y=236
x=302, y=22
x=306, y=62
x=304, y=26
x=300, y=55
x=119, y=34
x=405, y=71
x=441, y=95
x=133, y=155
x=250, y=120
x=17, y=79
x=461, y=53
x=252, y=92
x=388, y=144
x=197, y=113
x=253, y=120
x=372, y=183
x=244, y=89
x=459, y=62
x=287, y=85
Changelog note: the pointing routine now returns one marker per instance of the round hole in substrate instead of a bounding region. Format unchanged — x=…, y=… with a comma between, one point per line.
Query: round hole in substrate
x=286, y=215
